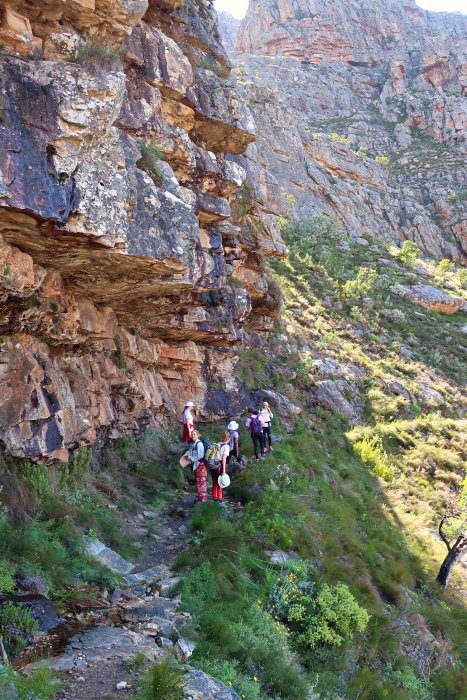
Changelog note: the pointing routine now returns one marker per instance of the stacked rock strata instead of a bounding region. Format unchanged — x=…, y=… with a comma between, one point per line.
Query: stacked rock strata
x=132, y=235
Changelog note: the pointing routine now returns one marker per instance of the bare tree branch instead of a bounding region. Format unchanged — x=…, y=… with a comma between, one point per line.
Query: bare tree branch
x=441, y=533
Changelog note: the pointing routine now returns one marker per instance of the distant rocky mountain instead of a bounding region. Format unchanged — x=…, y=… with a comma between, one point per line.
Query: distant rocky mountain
x=361, y=112
x=229, y=27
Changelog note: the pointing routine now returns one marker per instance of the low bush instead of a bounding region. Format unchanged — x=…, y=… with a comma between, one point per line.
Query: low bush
x=317, y=616
x=410, y=252
x=320, y=239
x=150, y=159
x=229, y=672
x=99, y=57
x=41, y=683
x=7, y=576
x=163, y=681
x=445, y=266
x=16, y=626
x=371, y=452
x=362, y=286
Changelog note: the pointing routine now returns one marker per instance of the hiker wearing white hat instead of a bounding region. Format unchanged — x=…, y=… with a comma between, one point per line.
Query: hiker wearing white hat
x=188, y=421
x=220, y=468
x=234, y=449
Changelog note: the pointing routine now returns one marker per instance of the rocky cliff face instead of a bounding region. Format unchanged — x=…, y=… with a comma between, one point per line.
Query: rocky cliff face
x=360, y=110
x=131, y=237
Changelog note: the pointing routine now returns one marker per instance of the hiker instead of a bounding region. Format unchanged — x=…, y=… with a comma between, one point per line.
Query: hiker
x=255, y=426
x=188, y=421
x=196, y=455
x=219, y=467
x=234, y=449
x=266, y=416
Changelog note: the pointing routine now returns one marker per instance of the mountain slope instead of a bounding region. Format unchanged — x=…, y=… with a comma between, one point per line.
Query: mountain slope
x=361, y=114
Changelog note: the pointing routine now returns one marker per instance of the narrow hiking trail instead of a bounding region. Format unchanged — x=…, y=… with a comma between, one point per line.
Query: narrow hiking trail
x=142, y=621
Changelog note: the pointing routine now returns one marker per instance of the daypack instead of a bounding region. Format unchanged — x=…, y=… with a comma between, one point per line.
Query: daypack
x=256, y=427
x=206, y=445
x=232, y=441
x=212, y=456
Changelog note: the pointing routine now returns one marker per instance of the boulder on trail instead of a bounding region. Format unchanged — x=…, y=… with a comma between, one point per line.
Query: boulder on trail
x=107, y=557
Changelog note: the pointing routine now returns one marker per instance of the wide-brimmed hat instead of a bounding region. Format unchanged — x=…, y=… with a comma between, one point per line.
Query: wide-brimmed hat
x=189, y=404
x=233, y=425
x=185, y=460
x=224, y=481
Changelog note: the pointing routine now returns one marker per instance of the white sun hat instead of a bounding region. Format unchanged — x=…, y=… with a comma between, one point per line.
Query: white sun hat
x=189, y=404
x=224, y=481
x=233, y=425
x=185, y=460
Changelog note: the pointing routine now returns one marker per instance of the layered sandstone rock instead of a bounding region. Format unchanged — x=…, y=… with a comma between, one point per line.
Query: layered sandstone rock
x=360, y=112
x=131, y=234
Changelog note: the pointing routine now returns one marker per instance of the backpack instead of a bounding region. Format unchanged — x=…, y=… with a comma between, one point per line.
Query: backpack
x=206, y=445
x=256, y=427
x=212, y=456
x=232, y=442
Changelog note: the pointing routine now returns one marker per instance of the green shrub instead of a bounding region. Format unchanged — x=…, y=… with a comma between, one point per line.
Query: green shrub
x=371, y=452
x=304, y=368
x=16, y=623
x=163, y=681
x=99, y=57
x=37, y=476
x=460, y=196
x=150, y=159
x=418, y=688
x=7, y=576
x=229, y=672
x=410, y=252
x=382, y=160
x=367, y=684
x=462, y=277
x=41, y=683
x=320, y=239
x=199, y=586
x=362, y=286
x=327, y=616
x=445, y=266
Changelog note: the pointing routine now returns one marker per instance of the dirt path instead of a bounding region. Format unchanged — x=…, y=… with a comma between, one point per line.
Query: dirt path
x=143, y=618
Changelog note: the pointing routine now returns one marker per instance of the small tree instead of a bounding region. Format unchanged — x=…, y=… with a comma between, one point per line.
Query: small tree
x=362, y=286
x=453, y=531
x=410, y=252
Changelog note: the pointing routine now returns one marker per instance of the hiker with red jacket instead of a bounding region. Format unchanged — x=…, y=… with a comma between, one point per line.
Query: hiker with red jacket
x=255, y=425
